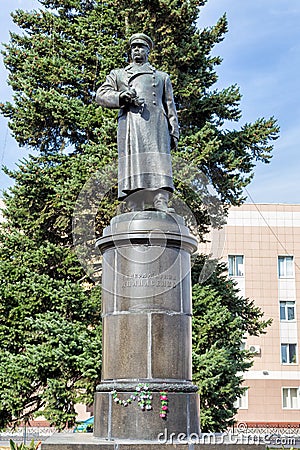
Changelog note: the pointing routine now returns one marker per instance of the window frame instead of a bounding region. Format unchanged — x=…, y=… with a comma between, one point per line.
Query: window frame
x=286, y=306
x=287, y=344
x=245, y=398
x=235, y=266
x=289, y=407
x=285, y=258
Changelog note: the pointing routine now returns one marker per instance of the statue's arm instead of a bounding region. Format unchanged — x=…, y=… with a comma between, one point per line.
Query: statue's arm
x=171, y=111
x=108, y=95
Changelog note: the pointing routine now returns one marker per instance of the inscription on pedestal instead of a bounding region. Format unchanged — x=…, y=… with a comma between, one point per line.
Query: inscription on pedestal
x=149, y=280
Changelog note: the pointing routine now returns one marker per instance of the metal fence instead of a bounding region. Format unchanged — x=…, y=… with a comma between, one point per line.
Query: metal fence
x=292, y=429
x=26, y=434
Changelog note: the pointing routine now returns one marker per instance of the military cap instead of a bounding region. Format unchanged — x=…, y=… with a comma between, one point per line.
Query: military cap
x=141, y=38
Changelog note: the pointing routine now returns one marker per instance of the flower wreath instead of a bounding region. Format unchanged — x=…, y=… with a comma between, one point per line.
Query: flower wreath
x=144, y=398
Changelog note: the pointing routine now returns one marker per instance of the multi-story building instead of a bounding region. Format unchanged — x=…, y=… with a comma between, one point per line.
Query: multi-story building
x=262, y=248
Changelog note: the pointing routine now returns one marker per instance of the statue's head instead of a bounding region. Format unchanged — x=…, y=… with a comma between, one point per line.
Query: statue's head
x=140, y=45
x=141, y=38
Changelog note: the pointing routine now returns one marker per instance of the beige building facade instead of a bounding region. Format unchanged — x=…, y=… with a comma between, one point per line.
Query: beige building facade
x=262, y=249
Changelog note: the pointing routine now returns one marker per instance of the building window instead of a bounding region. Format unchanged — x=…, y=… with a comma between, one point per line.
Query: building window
x=289, y=353
x=286, y=266
x=242, y=401
x=290, y=398
x=287, y=311
x=236, y=265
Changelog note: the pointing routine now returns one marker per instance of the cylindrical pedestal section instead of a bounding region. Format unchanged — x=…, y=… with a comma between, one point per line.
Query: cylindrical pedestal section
x=146, y=308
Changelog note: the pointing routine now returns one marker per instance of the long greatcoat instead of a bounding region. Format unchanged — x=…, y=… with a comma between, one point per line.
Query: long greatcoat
x=144, y=132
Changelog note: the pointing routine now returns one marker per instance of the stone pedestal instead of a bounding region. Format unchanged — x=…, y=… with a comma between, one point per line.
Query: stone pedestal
x=146, y=327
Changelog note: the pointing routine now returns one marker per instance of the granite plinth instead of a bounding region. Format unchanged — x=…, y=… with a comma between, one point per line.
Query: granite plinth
x=146, y=312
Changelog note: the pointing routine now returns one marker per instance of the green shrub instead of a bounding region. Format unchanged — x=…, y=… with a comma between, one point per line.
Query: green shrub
x=22, y=446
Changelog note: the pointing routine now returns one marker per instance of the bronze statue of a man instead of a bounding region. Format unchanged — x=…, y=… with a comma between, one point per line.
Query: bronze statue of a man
x=147, y=127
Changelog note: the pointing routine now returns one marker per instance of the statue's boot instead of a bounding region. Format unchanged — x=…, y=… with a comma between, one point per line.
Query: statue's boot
x=134, y=205
x=136, y=201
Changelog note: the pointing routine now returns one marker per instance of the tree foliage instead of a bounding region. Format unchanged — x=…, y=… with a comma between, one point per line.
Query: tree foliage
x=50, y=309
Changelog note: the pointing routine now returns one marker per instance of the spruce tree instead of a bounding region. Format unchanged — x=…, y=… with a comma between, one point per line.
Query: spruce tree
x=50, y=346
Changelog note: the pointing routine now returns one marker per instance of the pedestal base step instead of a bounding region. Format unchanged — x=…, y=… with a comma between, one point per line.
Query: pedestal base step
x=67, y=441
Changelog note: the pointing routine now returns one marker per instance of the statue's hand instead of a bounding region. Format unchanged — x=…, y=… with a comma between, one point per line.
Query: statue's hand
x=138, y=101
x=127, y=96
x=174, y=142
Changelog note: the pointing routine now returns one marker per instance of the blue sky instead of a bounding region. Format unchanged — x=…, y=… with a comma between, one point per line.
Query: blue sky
x=261, y=53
